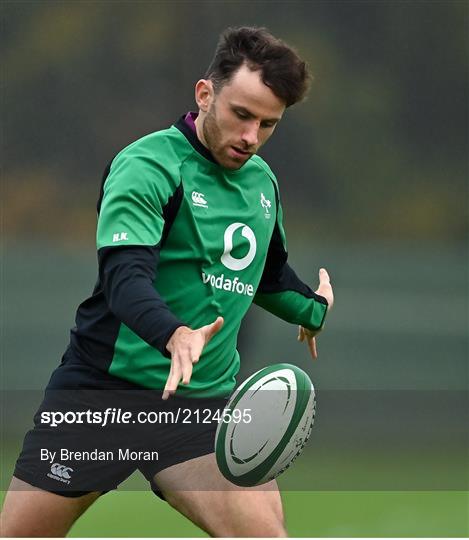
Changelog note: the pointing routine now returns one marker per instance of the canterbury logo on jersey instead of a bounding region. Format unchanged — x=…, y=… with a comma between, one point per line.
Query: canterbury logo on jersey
x=198, y=199
x=60, y=472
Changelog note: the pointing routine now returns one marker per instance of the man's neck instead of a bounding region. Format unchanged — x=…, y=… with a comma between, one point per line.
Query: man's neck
x=199, y=122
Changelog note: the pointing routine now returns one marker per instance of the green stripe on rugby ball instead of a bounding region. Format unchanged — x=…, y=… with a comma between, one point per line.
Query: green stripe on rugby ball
x=260, y=474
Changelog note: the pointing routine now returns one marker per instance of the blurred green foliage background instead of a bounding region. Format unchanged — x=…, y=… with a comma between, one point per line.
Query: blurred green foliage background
x=374, y=181
x=377, y=152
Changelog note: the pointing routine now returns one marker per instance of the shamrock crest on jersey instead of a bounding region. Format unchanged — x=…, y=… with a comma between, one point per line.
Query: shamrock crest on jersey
x=266, y=204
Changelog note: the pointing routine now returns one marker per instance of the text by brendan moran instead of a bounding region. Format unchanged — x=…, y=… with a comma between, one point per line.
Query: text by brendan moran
x=120, y=454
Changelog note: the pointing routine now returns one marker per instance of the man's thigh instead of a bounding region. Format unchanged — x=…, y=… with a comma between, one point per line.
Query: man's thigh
x=29, y=511
x=197, y=489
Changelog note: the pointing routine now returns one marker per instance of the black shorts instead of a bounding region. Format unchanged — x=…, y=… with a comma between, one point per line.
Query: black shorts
x=94, y=433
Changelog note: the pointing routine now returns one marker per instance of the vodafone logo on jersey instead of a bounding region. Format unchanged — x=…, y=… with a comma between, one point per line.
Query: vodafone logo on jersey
x=227, y=259
x=225, y=283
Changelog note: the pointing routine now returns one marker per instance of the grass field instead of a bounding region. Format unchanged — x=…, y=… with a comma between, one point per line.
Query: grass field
x=307, y=514
x=324, y=514
x=392, y=370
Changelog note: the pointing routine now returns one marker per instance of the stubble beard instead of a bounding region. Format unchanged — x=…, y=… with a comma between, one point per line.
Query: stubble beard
x=212, y=136
x=211, y=131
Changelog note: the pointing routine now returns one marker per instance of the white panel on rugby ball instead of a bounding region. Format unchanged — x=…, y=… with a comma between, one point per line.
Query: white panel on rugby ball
x=280, y=400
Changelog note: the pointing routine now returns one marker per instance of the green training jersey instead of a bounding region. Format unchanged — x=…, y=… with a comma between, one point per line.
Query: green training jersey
x=181, y=241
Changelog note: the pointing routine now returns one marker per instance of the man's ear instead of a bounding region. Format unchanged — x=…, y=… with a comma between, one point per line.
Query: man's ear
x=204, y=94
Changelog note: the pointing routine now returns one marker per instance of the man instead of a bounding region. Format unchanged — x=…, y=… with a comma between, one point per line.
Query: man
x=189, y=234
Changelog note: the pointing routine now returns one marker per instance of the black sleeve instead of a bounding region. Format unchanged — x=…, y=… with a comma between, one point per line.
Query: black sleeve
x=127, y=275
x=278, y=275
x=282, y=293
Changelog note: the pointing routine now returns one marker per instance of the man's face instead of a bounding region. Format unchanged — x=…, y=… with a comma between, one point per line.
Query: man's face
x=239, y=118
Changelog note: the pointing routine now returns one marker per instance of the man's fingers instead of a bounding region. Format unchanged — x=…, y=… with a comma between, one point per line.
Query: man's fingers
x=309, y=336
x=186, y=352
x=211, y=329
x=186, y=371
x=173, y=378
x=170, y=387
x=312, y=347
x=301, y=333
x=325, y=287
x=323, y=276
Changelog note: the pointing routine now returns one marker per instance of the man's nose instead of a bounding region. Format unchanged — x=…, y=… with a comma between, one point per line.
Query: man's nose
x=251, y=134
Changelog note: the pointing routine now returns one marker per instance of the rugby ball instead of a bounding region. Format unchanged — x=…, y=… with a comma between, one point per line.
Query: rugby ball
x=266, y=425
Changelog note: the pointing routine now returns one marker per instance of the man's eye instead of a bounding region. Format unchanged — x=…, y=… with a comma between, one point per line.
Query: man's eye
x=241, y=115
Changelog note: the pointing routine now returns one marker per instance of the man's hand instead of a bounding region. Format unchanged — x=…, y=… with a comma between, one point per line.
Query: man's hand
x=186, y=346
x=324, y=289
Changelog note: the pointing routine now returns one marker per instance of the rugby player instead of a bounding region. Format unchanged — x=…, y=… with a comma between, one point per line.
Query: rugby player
x=190, y=233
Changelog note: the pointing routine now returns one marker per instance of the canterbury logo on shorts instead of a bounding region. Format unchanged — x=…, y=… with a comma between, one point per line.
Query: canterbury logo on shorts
x=60, y=472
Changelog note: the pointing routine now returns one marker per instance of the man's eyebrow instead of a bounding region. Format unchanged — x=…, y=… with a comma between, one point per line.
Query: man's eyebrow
x=247, y=112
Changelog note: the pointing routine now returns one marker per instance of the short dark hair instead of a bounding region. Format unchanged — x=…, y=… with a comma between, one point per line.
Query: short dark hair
x=282, y=70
